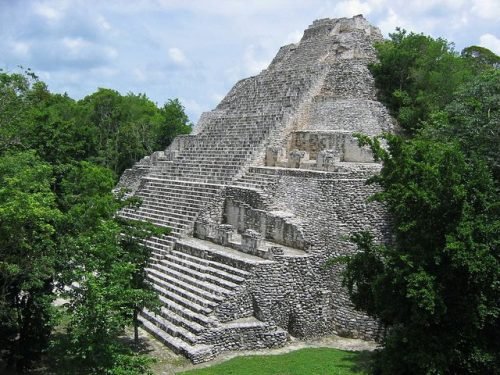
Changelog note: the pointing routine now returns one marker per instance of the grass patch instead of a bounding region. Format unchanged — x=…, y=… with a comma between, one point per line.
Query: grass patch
x=311, y=361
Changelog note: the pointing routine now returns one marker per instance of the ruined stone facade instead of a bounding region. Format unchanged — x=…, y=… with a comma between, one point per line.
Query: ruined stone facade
x=263, y=192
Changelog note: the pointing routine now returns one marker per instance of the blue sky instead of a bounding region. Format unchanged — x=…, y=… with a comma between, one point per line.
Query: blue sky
x=196, y=50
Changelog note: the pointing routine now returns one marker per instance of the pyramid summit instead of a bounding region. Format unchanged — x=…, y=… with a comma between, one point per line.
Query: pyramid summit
x=261, y=195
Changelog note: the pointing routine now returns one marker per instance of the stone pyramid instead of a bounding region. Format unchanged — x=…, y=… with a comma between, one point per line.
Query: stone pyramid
x=263, y=192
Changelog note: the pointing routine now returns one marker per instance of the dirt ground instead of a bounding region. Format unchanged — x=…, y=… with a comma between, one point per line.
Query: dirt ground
x=169, y=363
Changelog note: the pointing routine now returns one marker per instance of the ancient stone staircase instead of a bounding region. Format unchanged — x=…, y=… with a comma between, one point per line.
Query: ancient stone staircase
x=255, y=179
x=192, y=281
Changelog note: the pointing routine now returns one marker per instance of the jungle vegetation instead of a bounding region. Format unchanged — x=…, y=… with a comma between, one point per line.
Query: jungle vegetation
x=59, y=235
x=435, y=289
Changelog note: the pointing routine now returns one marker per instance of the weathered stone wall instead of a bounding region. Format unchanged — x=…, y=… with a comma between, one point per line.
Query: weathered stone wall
x=300, y=294
x=342, y=143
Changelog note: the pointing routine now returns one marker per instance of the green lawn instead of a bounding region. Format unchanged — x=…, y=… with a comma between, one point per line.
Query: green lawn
x=318, y=361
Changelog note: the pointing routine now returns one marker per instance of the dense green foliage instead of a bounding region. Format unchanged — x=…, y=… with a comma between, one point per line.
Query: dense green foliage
x=59, y=235
x=28, y=220
x=436, y=288
x=105, y=127
x=317, y=361
x=417, y=75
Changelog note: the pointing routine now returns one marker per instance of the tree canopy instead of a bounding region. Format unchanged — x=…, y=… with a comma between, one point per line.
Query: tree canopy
x=59, y=233
x=435, y=288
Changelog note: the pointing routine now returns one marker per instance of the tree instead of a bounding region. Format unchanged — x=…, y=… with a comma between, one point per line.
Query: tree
x=436, y=288
x=481, y=57
x=174, y=122
x=473, y=119
x=105, y=264
x=28, y=253
x=59, y=160
x=417, y=75
x=126, y=128
x=14, y=107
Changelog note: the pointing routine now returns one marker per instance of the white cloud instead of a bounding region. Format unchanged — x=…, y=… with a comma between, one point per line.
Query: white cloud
x=489, y=9
x=177, y=56
x=491, y=42
x=392, y=20
x=351, y=8
x=294, y=37
x=104, y=72
x=110, y=52
x=254, y=64
x=192, y=106
x=80, y=49
x=20, y=49
x=229, y=8
x=74, y=46
x=50, y=12
x=139, y=74
x=103, y=23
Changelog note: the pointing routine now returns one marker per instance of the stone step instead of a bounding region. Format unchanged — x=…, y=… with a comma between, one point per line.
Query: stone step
x=196, y=353
x=151, y=210
x=190, y=203
x=193, y=291
x=179, y=320
x=179, y=190
x=219, y=177
x=195, y=280
x=253, y=186
x=159, y=247
x=182, y=185
x=206, y=168
x=157, y=196
x=188, y=314
x=187, y=302
x=170, y=327
x=202, y=145
x=202, y=176
x=165, y=240
x=189, y=185
x=187, y=269
x=174, y=230
x=183, y=212
x=205, y=268
x=217, y=149
x=213, y=264
x=219, y=254
x=175, y=225
x=214, y=157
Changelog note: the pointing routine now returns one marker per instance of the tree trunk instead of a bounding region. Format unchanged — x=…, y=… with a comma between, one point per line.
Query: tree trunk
x=136, y=328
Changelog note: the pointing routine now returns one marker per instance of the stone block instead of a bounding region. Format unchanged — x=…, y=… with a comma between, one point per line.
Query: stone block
x=294, y=158
x=251, y=241
x=354, y=153
x=272, y=154
x=327, y=159
x=171, y=154
x=158, y=155
x=224, y=234
x=202, y=230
